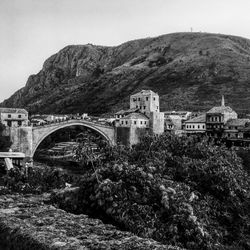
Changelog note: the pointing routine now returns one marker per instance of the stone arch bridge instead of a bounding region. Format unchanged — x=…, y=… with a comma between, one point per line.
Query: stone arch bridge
x=27, y=139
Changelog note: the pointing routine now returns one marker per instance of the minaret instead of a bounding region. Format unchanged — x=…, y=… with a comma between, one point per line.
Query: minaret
x=222, y=101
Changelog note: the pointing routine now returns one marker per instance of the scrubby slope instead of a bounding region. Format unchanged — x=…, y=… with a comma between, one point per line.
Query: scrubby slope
x=188, y=70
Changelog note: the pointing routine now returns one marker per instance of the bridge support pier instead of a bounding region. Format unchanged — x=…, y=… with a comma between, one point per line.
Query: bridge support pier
x=22, y=140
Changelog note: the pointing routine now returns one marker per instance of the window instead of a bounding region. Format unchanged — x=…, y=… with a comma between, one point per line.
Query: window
x=198, y=126
x=137, y=106
x=141, y=122
x=193, y=126
x=134, y=100
x=9, y=116
x=122, y=122
x=126, y=122
x=145, y=122
x=9, y=123
x=140, y=107
x=203, y=126
x=19, y=116
x=135, y=122
x=157, y=107
x=19, y=123
x=139, y=99
x=146, y=98
x=154, y=98
x=144, y=107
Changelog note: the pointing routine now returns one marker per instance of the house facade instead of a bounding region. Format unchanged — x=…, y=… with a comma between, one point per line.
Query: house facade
x=217, y=117
x=195, y=125
x=237, y=129
x=12, y=117
x=146, y=101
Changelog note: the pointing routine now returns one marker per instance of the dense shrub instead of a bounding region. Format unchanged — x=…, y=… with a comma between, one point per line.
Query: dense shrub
x=179, y=190
x=35, y=180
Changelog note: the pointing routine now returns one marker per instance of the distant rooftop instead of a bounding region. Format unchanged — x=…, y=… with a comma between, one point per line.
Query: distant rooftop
x=178, y=112
x=127, y=111
x=221, y=109
x=198, y=119
x=237, y=122
x=136, y=116
x=13, y=111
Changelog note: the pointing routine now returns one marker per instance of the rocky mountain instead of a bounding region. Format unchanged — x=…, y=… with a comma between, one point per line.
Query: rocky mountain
x=188, y=70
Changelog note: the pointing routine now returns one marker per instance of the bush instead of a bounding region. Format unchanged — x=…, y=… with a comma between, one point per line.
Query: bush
x=38, y=180
x=182, y=191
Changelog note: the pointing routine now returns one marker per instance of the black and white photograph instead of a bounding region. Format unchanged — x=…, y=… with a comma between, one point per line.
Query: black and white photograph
x=124, y=125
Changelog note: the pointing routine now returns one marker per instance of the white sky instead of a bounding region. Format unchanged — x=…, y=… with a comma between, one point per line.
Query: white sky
x=33, y=30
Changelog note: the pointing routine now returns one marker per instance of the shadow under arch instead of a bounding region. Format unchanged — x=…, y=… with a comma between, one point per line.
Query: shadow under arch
x=70, y=125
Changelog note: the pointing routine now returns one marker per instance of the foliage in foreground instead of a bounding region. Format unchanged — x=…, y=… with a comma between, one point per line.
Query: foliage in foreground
x=181, y=191
x=35, y=180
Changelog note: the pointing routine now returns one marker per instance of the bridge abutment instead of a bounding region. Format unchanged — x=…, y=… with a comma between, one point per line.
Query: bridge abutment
x=22, y=140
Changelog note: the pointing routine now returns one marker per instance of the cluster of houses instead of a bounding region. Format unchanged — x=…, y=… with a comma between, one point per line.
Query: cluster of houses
x=144, y=116
x=218, y=122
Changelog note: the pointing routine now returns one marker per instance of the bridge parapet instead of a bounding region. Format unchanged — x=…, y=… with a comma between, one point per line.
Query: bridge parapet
x=73, y=121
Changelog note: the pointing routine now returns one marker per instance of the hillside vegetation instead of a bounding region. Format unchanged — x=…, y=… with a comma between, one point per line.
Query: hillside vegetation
x=188, y=70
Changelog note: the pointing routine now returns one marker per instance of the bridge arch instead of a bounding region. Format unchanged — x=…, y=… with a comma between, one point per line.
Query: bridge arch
x=51, y=129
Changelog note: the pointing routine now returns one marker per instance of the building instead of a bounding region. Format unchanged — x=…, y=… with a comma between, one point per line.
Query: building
x=237, y=129
x=122, y=113
x=146, y=101
x=195, y=125
x=184, y=115
x=177, y=117
x=144, y=116
x=131, y=127
x=12, y=117
x=217, y=117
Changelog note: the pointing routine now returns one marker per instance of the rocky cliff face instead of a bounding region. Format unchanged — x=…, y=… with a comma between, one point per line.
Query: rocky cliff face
x=188, y=70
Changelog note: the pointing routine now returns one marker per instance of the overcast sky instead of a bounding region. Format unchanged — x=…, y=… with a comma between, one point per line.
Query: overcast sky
x=32, y=30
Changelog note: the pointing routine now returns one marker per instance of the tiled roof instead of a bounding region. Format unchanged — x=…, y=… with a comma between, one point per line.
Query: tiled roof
x=201, y=118
x=221, y=109
x=180, y=112
x=127, y=111
x=13, y=111
x=145, y=92
x=237, y=122
x=136, y=116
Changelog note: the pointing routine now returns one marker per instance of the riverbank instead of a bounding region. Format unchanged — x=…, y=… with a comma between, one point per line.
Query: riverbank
x=29, y=222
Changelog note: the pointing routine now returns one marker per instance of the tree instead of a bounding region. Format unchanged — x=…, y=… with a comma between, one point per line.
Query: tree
x=185, y=191
x=5, y=142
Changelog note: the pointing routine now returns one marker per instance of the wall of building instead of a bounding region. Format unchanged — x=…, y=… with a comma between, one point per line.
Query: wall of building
x=130, y=135
x=195, y=126
x=14, y=118
x=228, y=116
x=140, y=123
x=157, y=122
x=123, y=134
x=145, y=102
